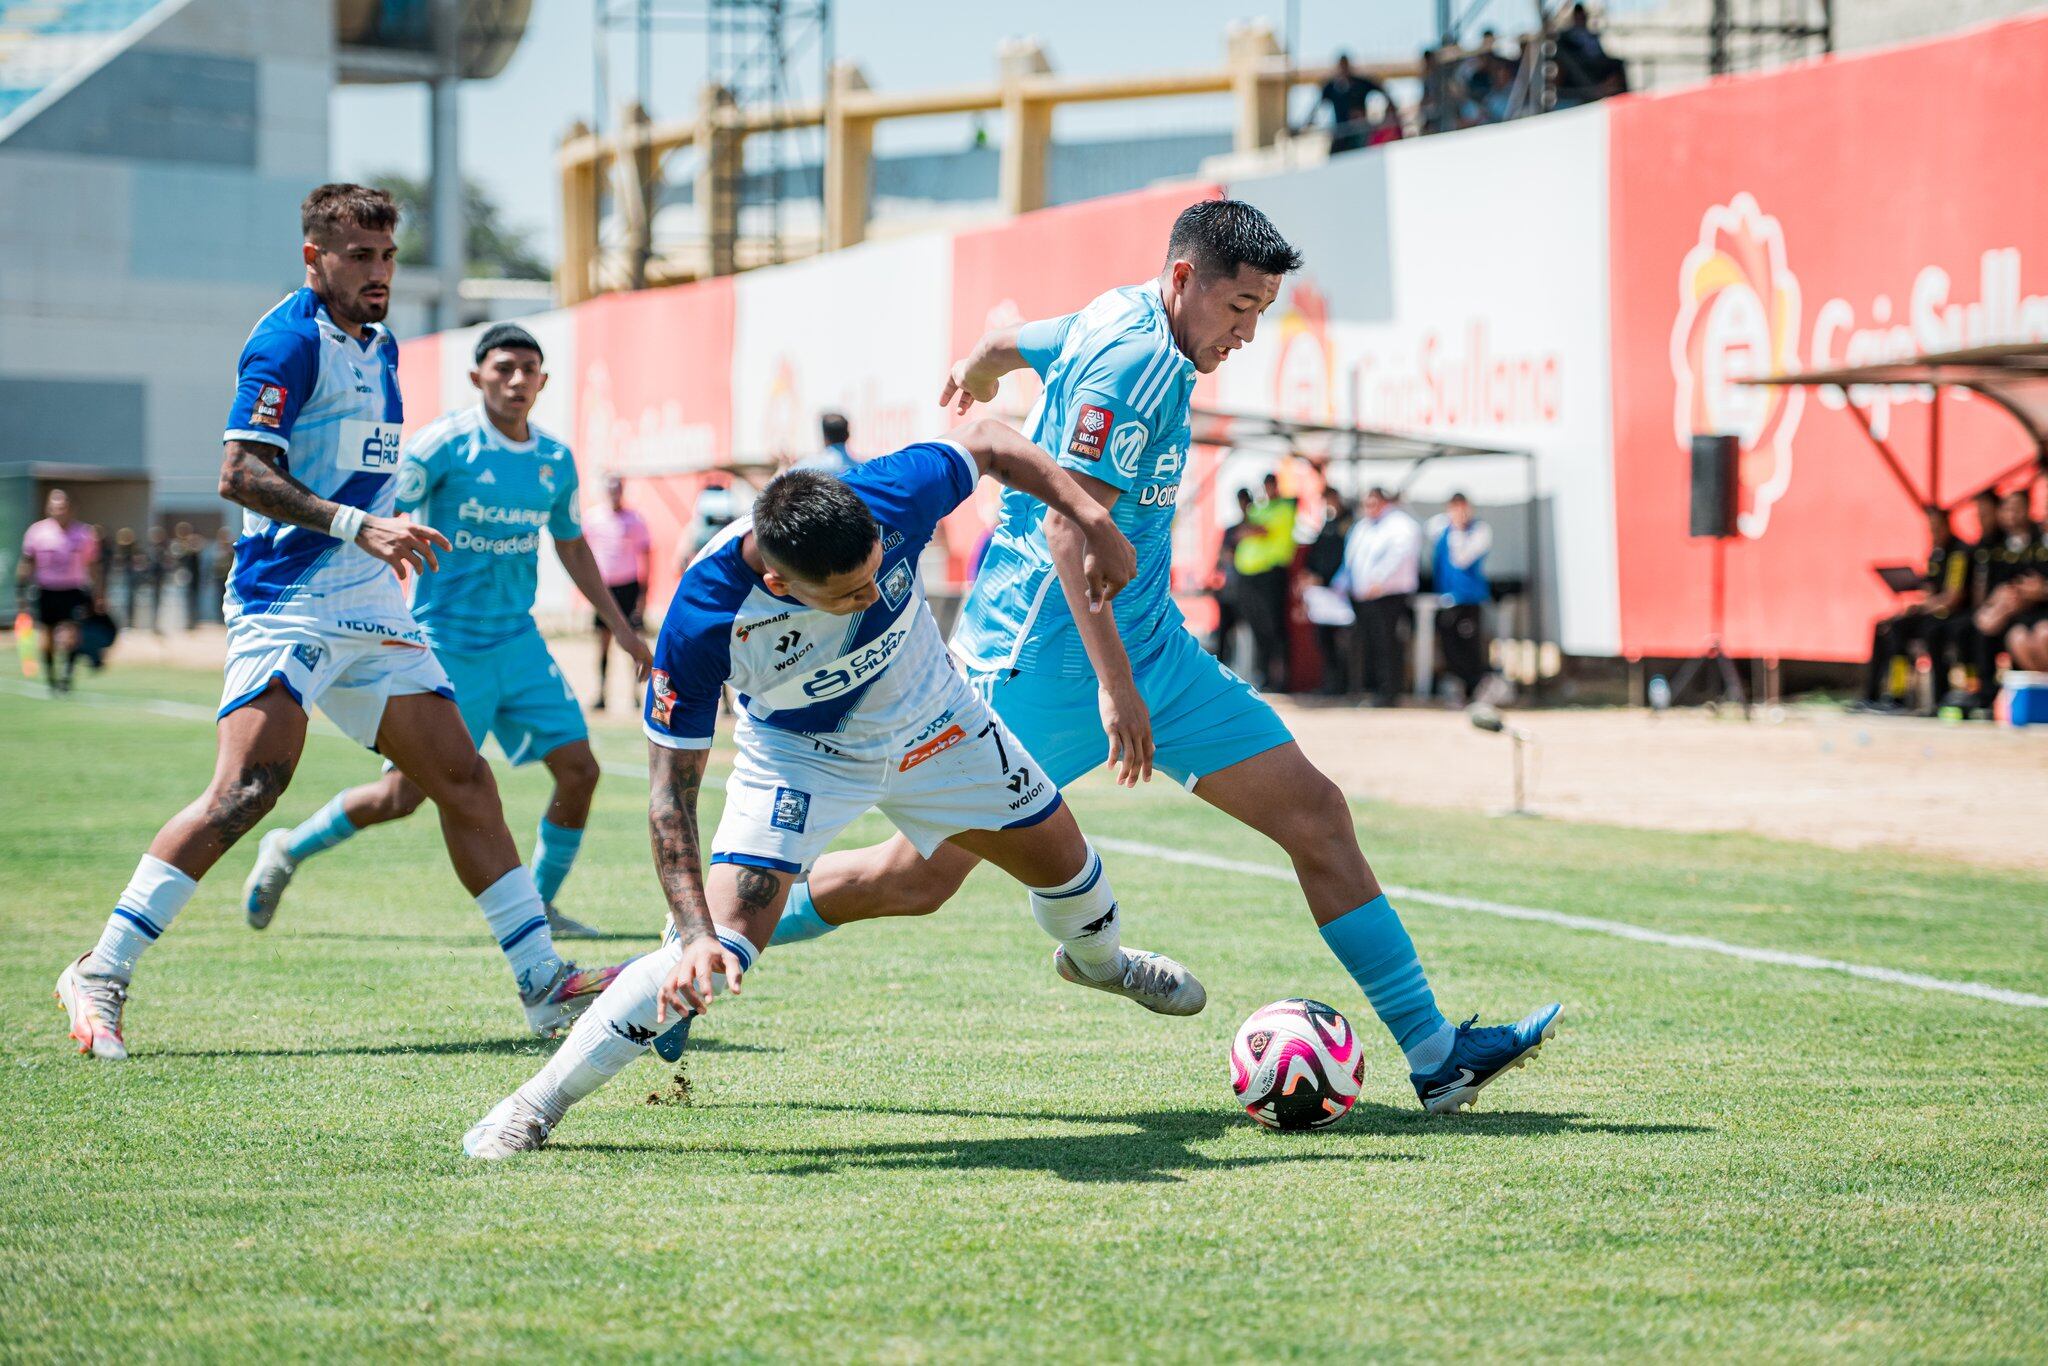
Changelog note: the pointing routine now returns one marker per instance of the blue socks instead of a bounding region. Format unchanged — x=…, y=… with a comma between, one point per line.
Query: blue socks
x=800, y=919
x=322, y=830
x=1374, y=948
x=554, y=854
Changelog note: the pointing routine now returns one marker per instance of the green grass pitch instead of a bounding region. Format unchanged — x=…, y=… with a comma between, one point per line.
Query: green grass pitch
x=911, y=1142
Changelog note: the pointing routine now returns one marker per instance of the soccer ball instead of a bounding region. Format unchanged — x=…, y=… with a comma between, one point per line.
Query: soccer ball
x=1296, y=1064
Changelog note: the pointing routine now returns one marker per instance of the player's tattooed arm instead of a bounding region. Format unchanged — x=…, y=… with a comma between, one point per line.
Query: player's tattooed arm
x=674, y=777
x=251, y=477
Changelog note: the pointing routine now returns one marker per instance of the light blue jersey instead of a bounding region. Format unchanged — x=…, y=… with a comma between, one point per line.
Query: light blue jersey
x=490, y=496
x=1115, y=407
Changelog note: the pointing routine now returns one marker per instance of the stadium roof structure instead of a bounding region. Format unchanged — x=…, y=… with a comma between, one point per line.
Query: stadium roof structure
x=1334, y=441
x=2014, y=376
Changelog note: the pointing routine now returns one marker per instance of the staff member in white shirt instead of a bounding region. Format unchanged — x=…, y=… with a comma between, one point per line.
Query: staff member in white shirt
x=1382, y=570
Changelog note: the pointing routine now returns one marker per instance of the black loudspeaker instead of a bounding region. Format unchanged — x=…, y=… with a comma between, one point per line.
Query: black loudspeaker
x=1713, y=485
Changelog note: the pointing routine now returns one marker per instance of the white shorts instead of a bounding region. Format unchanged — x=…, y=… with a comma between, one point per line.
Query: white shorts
x=790, y=795
x=349, y=674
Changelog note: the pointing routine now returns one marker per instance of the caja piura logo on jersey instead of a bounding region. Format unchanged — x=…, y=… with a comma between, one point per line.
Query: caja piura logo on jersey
x=1738, y=317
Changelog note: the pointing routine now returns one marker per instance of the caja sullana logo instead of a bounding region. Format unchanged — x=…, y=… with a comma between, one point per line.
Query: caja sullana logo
x=1738, y=317
x=1304, y=368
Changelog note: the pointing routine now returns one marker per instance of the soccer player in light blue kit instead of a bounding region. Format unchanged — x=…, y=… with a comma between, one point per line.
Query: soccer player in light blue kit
x=315, y=614
x=494, y=479
x=1131, y=684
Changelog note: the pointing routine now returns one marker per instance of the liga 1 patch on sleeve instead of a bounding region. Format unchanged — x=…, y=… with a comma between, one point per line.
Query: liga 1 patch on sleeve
x=268, y=410
x=1091, y=432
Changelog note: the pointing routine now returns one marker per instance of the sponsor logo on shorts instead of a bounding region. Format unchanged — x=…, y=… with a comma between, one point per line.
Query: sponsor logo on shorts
x=386, y=634
x=792, y=810
x=896, y=584
x=939, y=744
x=1092, y=430
x=1020, y=782
x=269, y=408
x=662, y=697
x=933, y=727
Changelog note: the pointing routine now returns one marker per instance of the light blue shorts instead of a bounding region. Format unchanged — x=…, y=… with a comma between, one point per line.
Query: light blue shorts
x=517, y=693
x=1204, y=717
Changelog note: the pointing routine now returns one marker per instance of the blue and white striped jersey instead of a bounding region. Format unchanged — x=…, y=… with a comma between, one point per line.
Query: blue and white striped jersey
x=865, y=681
x=330, y=404
x=1115, y=407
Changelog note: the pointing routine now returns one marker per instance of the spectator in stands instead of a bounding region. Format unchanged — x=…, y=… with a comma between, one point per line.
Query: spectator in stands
x=2015, y=568
x=835, y=459
x=1585, y=72
x=1383, y=121
x=1976, y=651
x=619, y=538
x=1229, y=585
x=1265, y=563
x=184, y=569
x=123, y=570
x=1382, y=570
x=60, y=564
x=156, y=573
x=1923, y=625
x=1324, y=564
x=1459, y=542
x=1346, y=93
x=218, y=573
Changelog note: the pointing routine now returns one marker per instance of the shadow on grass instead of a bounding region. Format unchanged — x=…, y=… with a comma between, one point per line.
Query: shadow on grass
x=539, y=1048
x=1162, y=1149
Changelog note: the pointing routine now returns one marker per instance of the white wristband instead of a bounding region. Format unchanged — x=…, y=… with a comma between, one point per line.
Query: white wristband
x=347, y=522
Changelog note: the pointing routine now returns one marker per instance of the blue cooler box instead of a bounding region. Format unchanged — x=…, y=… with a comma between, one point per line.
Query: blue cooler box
x=2024, y=702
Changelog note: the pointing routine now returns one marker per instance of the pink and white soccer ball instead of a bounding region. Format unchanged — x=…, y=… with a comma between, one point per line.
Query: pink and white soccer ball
x=1296, y=1064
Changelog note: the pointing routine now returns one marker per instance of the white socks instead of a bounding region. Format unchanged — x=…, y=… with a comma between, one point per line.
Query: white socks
x=617, y=1028
x=152, y=900
x=518, y=921
x=1081, y=914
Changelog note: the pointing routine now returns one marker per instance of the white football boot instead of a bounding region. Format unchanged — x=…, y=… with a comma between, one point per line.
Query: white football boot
x=1153, y=980
x=94, y=1004
x=511, y=1127
x=268, y=879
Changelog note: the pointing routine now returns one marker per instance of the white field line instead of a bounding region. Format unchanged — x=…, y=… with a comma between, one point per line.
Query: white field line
x=1617, y=929
x=1614, y=929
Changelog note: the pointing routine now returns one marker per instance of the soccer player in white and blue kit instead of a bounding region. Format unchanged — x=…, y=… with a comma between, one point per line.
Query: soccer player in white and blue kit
x=810, y=606
x=1134, y=686
x=316, y=614
x=494, y=479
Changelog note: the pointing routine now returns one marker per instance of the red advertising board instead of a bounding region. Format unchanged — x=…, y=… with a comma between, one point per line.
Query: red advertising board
x=1044, y=264
x=654, y=402
x=1845, y=212
x=419, y=380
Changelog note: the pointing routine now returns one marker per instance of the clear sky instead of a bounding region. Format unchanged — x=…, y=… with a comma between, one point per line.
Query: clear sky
x=512, y=123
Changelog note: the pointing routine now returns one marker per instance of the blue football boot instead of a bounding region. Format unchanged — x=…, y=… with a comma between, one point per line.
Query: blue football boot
x=670, y=1045
x=1481, y=1053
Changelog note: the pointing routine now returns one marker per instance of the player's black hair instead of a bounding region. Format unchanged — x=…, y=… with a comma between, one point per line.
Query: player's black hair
x=1219, y=235
x=511, y=336
x=835, y=428
x=813, y=525
x=331, y=206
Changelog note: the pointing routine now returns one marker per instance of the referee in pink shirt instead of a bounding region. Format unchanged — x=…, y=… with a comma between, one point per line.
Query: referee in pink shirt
x=618, y=537
x=60, y=560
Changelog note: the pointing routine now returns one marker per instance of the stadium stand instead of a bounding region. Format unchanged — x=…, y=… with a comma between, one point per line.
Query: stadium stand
x=43, y=41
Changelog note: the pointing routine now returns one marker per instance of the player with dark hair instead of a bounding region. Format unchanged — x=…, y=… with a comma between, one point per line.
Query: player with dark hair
x=1133, y=685
x=315, y=613
x=496, y=479
x=812, y=609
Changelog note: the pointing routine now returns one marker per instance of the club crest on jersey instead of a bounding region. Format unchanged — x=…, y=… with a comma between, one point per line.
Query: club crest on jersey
x=1127, y=448
x=1092, y=429
x=661, y=697
x=547, y=477
x=269, y=408
x=896, y=585
x=792, y=810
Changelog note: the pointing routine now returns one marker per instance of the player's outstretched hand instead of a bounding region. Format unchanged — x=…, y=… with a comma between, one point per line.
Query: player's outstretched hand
x=964, y=388
x=687, y=988
x=1109, y=562
x=407, y=547
x=1128, y=724
x=635, y=645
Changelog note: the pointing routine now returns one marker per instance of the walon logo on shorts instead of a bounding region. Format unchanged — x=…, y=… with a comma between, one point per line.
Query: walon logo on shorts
x=792, y=810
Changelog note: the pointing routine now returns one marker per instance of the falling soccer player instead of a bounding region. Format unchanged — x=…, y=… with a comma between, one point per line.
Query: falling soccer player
x=494, y=479
x=1132, y=685
x=811, y=607
x=316, y=613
